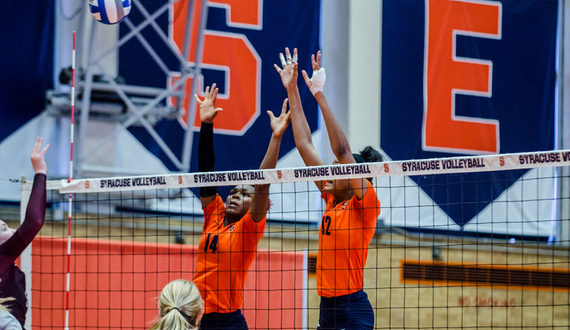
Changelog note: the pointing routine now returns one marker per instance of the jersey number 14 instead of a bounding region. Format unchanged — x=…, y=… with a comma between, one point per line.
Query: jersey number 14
x=213, y=246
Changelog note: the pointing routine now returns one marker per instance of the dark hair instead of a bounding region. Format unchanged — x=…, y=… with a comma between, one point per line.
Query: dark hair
x=368, y=155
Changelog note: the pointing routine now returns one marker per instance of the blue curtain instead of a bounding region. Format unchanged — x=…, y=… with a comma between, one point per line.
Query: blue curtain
x=523, y=94
x=26, y=68
x=294, y=24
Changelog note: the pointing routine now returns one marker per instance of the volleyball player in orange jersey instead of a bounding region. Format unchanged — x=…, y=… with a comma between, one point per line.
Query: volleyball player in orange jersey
x=352, y=208
x=231, y=232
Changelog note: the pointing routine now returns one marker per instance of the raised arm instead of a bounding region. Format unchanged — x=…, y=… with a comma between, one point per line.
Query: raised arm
x=301, y=129
x=206, y=155
x=338, y=140
x=36, y=209
x=260, y=200
x=34, y=219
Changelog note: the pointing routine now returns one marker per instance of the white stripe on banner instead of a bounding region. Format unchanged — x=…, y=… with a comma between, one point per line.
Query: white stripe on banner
x=331, y=172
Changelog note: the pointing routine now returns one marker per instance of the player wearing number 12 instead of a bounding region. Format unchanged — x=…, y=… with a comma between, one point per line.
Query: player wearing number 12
x=231, y=232
x=352, y=208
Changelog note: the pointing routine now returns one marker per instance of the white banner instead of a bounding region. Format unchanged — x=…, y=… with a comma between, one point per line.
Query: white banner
x=330, y=172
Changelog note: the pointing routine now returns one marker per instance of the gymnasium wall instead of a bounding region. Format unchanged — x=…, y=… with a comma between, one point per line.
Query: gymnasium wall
x=398, y=301
x=116, y=284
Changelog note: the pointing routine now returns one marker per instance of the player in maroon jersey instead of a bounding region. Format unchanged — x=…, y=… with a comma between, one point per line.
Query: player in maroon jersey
x=14, y=241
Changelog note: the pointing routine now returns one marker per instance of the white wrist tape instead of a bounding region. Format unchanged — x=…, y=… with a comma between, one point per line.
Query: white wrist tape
x=318, y=79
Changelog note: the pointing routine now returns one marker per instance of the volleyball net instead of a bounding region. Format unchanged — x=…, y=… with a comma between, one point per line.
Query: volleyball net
x=464, y=242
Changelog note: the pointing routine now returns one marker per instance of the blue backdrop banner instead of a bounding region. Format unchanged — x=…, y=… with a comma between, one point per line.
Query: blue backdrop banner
x=467, y=78
x=242, y=41
x=26, y=69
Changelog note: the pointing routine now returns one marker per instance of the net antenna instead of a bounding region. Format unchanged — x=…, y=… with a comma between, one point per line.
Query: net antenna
x=70, y=198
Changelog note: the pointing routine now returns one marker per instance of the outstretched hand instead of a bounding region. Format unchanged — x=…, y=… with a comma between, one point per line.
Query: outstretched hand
x=37, y=157
x=279, y=124
x=208, y=110
x=289, y=71
x=317, y=81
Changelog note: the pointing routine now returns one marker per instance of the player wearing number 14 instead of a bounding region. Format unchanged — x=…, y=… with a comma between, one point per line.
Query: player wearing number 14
x=231, y=232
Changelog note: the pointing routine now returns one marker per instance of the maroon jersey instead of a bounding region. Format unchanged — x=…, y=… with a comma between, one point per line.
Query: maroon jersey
x=13, y=282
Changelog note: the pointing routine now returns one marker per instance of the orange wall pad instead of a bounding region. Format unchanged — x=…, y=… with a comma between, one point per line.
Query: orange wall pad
x=115, y=284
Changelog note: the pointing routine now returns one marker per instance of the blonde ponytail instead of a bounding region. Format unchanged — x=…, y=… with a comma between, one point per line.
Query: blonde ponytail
x=180, y=307
x=4, y=300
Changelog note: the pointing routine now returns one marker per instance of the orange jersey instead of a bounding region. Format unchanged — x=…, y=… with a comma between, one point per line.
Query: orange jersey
x=224, y=257
x=345, y=233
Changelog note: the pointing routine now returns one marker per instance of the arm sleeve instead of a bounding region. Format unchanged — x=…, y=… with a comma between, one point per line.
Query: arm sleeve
x=206, y=156
x=33, y=222
x=36, y=210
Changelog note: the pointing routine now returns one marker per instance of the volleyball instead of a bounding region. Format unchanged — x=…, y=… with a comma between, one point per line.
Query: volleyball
x=110, y=11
